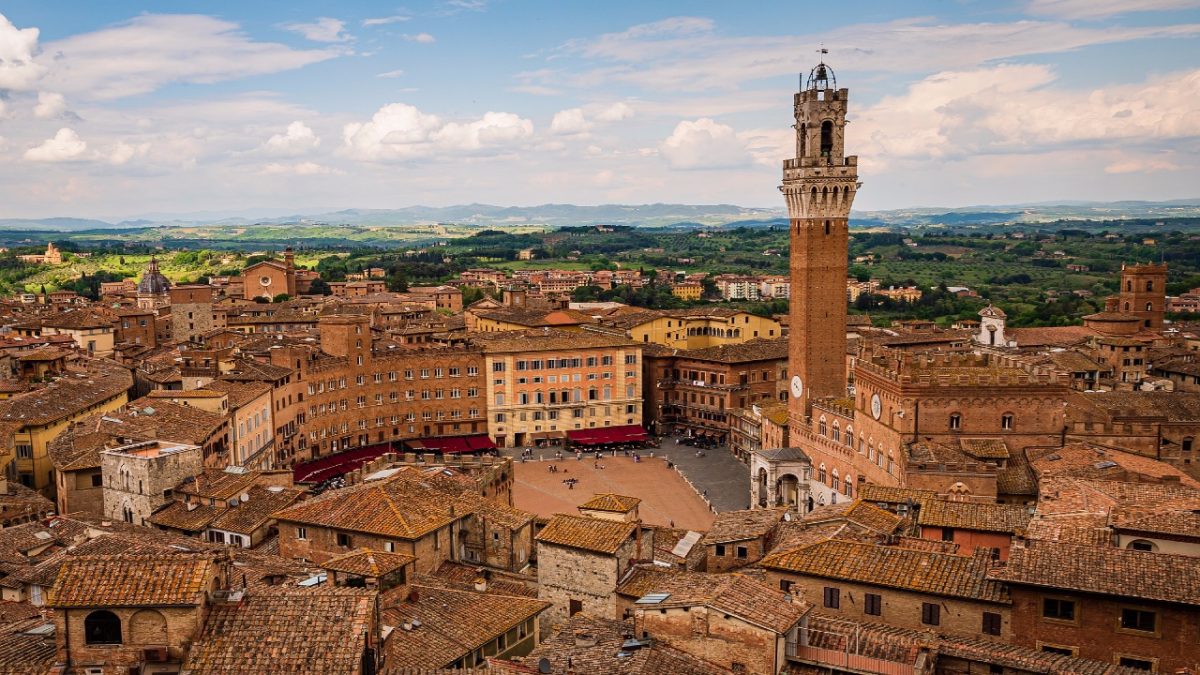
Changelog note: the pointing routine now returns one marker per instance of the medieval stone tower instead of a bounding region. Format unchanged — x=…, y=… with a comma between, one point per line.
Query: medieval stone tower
x=1144, y=293
x=819, y=185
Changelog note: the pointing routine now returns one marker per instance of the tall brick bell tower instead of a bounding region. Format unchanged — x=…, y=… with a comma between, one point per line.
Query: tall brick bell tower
x=819, y=185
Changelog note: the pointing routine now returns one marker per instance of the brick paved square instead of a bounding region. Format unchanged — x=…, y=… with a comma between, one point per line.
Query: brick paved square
x=665, y=495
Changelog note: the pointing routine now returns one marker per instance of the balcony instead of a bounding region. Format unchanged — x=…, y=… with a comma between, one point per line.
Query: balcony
x=828, y=642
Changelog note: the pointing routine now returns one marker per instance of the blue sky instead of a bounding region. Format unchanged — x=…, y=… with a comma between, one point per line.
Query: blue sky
x=119, y=108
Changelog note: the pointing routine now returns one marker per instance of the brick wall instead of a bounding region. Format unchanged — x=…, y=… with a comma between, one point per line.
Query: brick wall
x=1096, y=632
x=899, y=608
x=566, y=574
x=321, y=543
x=715, y=637
x=171, y=627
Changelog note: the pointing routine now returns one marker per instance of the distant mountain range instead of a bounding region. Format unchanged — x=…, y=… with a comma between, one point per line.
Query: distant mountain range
x=643, y=215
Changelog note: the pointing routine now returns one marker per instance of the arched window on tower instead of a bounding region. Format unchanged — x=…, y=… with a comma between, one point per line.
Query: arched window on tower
x=803, y=139
x=1129, y=285
x=826, y=138
x=1149, y=307
x=1149, y=285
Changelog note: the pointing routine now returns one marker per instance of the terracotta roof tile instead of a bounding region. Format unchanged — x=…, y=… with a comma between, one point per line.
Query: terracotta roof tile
x=23, y=652
x=601, y=658
x=979, y=516
x=611, y=502
x=318, y=631
x=735, y=594
x=131, y=581
x=367, y=563
x=453, y=623
x=742, y=525
x=590, y=534
x=893, y=567
x=1105, y=570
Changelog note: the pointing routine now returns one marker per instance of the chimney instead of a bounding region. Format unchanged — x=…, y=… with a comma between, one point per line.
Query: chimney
x=481, y=584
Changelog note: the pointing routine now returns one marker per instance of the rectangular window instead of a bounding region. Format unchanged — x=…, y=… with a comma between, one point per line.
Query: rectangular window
x=931, y=614
x=1059, y=609
x=1140, y=664
x=991, y=623
x=301, y=533
x=576, y=606
x=743, y=552
x=832, y=598
x=947, y=534
x=873, y=604
x=721, y=550
x=1054, y=649
x=1138, y=619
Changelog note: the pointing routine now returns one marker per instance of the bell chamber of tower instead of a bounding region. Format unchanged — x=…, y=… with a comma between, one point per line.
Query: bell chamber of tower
x=819, y=185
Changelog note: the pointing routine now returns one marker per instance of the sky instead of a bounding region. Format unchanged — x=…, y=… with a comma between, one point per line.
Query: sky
x=119, y=109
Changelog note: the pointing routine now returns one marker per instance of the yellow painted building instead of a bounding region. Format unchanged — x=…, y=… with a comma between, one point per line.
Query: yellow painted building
x=543, y=383
x=688, y=290
x=696, y=329
x=30, y=421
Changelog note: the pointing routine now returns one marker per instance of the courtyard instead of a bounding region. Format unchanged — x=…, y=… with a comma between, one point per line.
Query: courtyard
x=665, y=493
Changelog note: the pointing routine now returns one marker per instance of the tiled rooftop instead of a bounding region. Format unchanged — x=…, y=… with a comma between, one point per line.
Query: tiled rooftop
x=979, y=516
x=742, y=525
x=589, y=534
x=613, y=503
x=311, y=631
x=1105, y=570
x=893, y=567
x=131, y=581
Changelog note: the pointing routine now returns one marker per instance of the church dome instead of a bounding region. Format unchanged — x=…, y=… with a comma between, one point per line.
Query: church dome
x=153, y=282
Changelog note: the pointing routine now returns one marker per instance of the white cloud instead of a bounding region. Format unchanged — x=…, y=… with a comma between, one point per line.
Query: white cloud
x=688, y=54
x=297, y=140
x=614, y=113
x=49, y=105
x=151, y=51
x=391, y=74
x=704, y=144
x=1141, y=165
x=495, y=129
x=3, y=109
x=570, y=121
x=298, y=169
x=65, y=146
x=122, y=152
x=18, y=47
x=385, y=20
x=400, y=131
x=423, y=38
x=1098, y=9
x=323, y=29
x=1010, y=108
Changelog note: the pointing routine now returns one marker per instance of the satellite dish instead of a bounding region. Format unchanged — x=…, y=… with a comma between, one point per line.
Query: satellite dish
x=544, y=665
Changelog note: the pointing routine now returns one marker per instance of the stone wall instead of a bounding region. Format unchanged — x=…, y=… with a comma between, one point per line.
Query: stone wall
x=715, y=637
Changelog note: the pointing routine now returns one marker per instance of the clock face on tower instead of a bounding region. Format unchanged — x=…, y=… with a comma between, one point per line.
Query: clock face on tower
x=797, y=386
x=876, y=406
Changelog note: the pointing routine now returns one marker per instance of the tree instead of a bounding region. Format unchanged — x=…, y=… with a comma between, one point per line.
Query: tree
x=281, y=297
x=319, y=287
x=710, y=289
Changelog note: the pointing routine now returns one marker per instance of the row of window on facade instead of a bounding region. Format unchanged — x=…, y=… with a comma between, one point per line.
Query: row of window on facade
x=865, y=446
x=392, y=376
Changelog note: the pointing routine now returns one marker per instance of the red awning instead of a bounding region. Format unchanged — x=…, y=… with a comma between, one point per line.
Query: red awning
x=337, y=465
x=630, y=433
x=453, y=444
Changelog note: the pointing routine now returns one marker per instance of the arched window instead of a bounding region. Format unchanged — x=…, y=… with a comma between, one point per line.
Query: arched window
x=821, y=473
x=1129, y=285
x=955, y=422
x=837, y=432
x=1149, y=307
x=1142, y=545
x=102, y=627
x=835, y=482
x=822, y=428
x=848, y=486
x=1006, y=421
x=1127, y=307
x=1149, y=285
x=826, y=138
